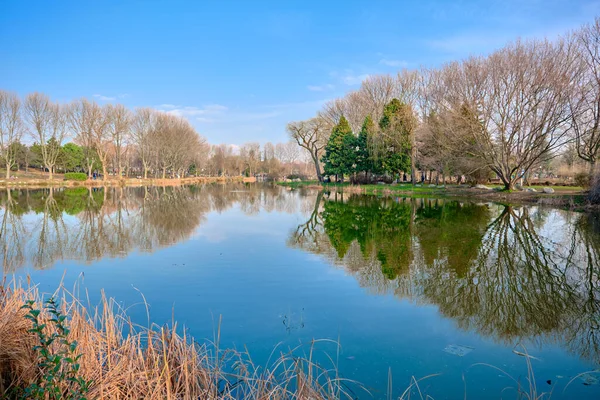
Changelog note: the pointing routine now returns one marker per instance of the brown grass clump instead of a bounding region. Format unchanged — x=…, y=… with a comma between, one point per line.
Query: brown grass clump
x=126, y=361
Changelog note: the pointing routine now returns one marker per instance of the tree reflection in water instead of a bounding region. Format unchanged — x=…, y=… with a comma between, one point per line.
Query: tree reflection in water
x=40, y=227
x=511, y=273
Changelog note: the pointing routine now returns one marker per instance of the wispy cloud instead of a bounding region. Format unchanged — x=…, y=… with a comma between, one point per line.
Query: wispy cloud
x=349, y=77
x=468, y=43
x=104, y=98
x=205, y=120
x=192, y=111
x=166, y=106
x=320, y=88
x=393, y=63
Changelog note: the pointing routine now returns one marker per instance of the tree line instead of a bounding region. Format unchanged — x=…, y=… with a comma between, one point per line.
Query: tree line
x=501, y=116
x=83, y=136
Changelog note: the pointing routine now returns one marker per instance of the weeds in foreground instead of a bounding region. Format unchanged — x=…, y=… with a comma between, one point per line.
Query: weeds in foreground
x=57, y=359
x=61, y=349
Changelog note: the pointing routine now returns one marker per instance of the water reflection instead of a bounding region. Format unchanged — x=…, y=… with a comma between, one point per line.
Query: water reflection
x=40, y=227
x=515, y=274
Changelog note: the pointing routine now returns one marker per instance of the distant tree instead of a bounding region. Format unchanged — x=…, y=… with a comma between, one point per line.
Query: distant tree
x=11, y=128
x=89, y=122
x=143, y=124
x=72, y=157
x=119, y=128
x=35, y=158
x=21, y=153
x=48, y=127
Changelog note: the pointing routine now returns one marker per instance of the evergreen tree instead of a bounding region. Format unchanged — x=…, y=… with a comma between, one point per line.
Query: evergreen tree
x=71, y=158
x=340, y=151
x=397, y=127
x=365, y=161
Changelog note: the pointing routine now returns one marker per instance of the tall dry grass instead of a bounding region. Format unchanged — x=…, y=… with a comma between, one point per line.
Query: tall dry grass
x=127, y=361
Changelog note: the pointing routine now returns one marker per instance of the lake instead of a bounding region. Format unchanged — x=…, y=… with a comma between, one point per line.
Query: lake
x=410, y=287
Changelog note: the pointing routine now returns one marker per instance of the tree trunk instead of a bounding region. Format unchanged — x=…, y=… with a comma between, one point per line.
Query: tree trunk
x=592, y=167
x=413, y=156
x=317, y=167
x=104, y=171
x=7, y=170
x=164, y=173
x=49, y=171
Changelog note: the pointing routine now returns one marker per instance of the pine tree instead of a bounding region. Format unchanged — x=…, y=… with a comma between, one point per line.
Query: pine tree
x=365, y=162
x=340, y=151
x=397, y=127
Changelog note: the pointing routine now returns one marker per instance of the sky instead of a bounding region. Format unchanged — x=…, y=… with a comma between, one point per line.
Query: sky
x=241, y=70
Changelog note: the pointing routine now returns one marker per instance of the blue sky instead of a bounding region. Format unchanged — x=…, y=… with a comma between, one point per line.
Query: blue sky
x=240, y=70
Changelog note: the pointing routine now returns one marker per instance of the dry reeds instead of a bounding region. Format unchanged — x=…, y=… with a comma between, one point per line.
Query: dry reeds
x=125, y=361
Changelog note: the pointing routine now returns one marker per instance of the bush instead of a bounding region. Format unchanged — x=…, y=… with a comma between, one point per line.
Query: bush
x=296, y=176
x=76, y=176
x=583, y=179
x=57, y=358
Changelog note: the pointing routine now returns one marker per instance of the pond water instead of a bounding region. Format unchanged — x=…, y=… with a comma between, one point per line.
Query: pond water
x=409, y=287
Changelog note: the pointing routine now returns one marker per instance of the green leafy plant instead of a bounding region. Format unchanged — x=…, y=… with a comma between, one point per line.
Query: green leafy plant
x=76, y=176
x=57, y=358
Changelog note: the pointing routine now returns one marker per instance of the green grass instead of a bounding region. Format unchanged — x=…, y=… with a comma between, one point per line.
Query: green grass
x=407, y=187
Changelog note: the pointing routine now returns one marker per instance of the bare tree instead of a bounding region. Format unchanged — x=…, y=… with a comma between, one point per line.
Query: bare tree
x=378, y=90
x=48, y=127
x=11, y=128
x=143, y=125
x=119, y=123
x=512, y=105
x=175, y=144
x=585, y=99
x=88, y=122
x=250, y=154
x=311, y=135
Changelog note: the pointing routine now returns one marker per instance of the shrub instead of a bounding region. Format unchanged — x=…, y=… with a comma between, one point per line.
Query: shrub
x=296, y=176
x=56, y=354
x=76, y=176
x=583, y=179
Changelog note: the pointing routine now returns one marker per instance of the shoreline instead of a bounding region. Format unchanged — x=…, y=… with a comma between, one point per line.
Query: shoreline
x=129, y=182
x=573, y=199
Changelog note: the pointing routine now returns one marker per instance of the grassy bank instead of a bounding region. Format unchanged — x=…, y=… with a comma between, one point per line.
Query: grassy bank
x=568, y=197
x=99, y=353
